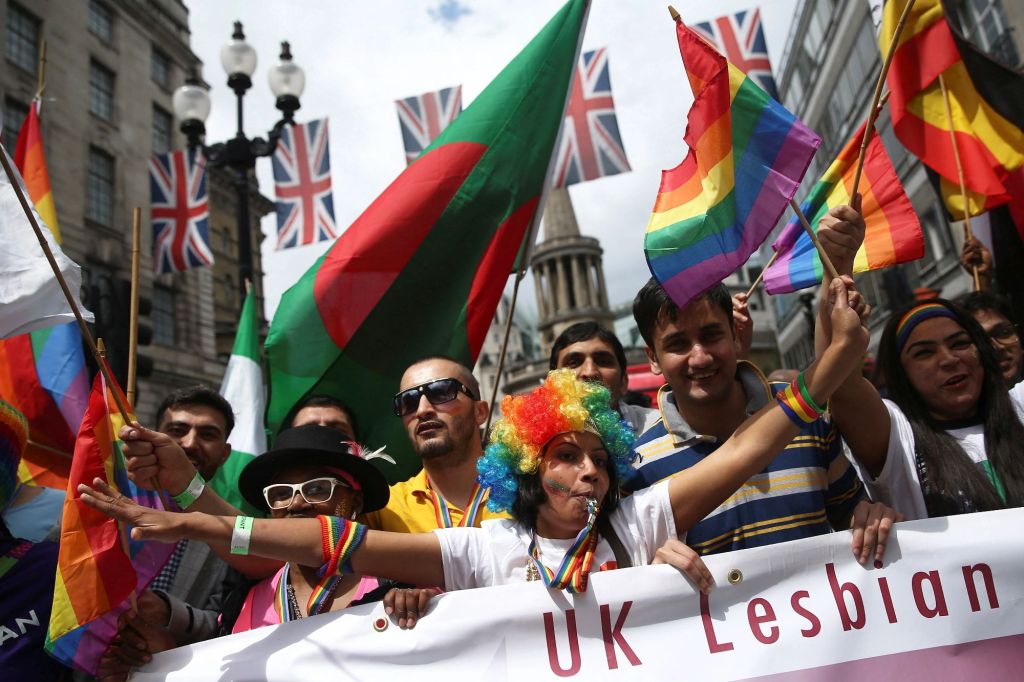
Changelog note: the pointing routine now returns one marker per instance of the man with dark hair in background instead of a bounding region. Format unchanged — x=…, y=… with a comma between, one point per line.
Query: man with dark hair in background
x=325, y=410
x=596, y=354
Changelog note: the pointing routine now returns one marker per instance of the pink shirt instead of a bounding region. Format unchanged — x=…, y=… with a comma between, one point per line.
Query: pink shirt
x=259, y=609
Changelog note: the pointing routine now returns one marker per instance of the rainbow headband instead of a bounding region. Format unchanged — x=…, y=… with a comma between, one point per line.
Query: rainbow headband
x=916, y=316
x=562, y=403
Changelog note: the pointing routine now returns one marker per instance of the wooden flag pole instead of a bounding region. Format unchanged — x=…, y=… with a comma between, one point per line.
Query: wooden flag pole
x=82, y=326
x=673, y=13
x=41, y=80
x=825, y=260
x=876, y=101
x=122, y=529
x=133, y=320
x=968, y=233
x=501, y=354
x=760, y=276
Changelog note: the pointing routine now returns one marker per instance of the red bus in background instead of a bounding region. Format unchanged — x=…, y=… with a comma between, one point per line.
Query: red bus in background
x=642, y=380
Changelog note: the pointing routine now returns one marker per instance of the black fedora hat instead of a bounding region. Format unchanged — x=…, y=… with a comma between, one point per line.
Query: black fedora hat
x=316, y=445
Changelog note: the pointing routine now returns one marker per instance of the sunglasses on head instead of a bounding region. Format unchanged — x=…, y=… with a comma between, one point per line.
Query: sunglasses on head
x=437, y=391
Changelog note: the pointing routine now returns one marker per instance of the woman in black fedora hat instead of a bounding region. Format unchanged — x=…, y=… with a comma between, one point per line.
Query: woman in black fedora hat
x=312, y=470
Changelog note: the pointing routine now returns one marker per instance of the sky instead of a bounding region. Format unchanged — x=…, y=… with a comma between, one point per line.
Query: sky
x=359, y=57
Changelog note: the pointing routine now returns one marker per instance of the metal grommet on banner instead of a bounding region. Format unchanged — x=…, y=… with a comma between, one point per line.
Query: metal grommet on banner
x=380, y=625
x=735, y=576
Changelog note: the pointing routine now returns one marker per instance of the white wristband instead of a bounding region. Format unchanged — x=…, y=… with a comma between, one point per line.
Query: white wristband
x=241, y=535
x=187, y=497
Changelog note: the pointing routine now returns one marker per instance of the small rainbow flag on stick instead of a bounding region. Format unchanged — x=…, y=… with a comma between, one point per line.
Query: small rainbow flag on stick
x=892, y=234
x=746, y=159
x=95, y=575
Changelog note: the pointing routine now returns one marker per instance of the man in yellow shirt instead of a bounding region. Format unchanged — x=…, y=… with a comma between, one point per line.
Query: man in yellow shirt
x=440, y=406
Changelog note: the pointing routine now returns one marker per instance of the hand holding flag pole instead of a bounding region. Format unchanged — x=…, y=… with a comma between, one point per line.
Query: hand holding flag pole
x=825, y=260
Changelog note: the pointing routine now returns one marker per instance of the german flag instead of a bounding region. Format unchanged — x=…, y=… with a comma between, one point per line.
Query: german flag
x=985, y=100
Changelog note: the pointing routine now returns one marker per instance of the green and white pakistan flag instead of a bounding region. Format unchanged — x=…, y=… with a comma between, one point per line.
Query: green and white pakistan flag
x=243, y=388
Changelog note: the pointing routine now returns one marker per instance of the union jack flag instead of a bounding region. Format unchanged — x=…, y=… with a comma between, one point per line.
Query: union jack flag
x=302, y=180
x=590, y=146
x=740, y=37
x=424, y=117
x=180, y=211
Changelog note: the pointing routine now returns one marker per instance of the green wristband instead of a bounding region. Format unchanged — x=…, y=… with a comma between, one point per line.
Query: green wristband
x=802, y=385
x=191, y=493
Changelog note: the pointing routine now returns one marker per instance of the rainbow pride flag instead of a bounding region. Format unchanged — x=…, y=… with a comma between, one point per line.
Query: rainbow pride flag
x=31, y=162
x=892, y=231
x=43, y=374
x=746, y=159
x=94, y=574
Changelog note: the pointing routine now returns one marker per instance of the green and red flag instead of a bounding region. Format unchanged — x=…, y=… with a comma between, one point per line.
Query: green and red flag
x=421, y=271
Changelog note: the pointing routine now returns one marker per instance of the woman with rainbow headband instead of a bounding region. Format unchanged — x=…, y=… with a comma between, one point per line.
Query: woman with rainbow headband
x=951, y=439
x=554, y=462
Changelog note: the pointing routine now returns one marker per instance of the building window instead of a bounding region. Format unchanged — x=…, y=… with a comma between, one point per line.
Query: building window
x=229, y=289
x=984, y=23
x=225, y=241
x=101, y=21
x=101, y=91
x=14, y=115
x=99, y=199
x=22, y=38
x=163, y=315
x=163, y=124
x=160, y=69
x=938, y=240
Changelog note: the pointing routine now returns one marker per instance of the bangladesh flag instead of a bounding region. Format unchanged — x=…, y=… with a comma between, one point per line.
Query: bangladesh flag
x=421, y=271
x=243, y=388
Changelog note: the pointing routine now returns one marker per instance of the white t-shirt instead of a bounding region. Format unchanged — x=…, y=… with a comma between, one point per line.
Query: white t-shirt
x=898, y=484
x=497, y=553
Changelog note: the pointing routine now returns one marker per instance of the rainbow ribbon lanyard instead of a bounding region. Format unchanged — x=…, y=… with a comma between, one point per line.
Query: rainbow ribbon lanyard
x=572, y=575
x=321, y=592
x=444, y=516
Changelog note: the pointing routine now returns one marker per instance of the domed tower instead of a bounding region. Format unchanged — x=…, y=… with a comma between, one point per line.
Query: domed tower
x=567, y=273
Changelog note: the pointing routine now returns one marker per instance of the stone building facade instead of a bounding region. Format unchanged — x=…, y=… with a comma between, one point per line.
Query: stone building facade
x=111, y=69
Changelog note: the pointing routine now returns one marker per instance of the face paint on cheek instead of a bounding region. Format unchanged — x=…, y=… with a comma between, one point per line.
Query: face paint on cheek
x=555, y=486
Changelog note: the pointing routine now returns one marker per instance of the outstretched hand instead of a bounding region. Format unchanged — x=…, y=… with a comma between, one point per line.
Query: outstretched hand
x=153, y=456
x=148, y=524
x=742, y=325
x=841, y=233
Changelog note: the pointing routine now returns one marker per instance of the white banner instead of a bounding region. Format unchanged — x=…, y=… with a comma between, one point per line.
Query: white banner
x=947, y=604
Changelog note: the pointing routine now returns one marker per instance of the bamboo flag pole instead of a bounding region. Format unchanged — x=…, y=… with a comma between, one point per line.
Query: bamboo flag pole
x=82, y=326
x=825, y=260
x=121, y=527
x=504, y=346
x=968, y=233
x=41, y=80
x=133, y=319
x=876, y=100
x=753, y=287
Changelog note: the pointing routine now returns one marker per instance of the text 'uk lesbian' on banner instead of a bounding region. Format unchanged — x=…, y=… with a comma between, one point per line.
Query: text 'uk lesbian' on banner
x=946, y=605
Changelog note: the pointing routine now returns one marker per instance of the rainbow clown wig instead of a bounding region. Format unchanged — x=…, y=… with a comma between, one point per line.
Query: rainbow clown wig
x=562, y=403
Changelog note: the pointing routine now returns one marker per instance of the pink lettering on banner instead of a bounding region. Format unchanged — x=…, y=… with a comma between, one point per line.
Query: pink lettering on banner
x=839, y=592
x=815, y=623
x=972, y=589
x=613, y=636
x=917, y=583
x=574, y=644
x=709, y=628
x=758, y=619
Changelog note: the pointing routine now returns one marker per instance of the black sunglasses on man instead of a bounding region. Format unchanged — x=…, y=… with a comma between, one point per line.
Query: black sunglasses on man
x=438, y=391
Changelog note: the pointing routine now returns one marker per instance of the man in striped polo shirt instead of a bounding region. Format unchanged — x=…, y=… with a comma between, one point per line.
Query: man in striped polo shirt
x=808, y=489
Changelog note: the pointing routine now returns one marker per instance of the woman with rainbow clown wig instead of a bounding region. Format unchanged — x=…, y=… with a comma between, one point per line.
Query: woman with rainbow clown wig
x=951, y=439
x=554, y=462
